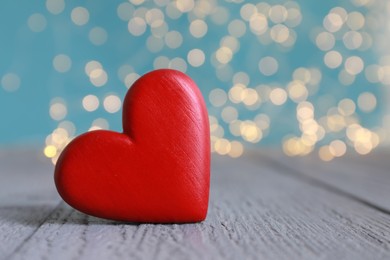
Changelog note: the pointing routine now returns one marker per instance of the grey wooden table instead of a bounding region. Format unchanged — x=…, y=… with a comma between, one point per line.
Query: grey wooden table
x=262, y=206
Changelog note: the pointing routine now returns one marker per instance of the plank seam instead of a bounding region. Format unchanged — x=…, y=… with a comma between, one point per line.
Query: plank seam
x=16, y=250
x=321, y=184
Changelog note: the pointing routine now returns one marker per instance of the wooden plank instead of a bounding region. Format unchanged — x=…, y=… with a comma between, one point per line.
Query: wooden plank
x=365, y=177
x=27, y=197
x=256, y=211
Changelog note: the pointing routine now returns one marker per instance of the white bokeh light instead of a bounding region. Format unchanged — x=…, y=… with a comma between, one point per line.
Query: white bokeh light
x=196, y=57
x=268, y=66
x=10, y=82
x=112, y=103
x=90, y=103
x=98, y=36
x=37, y=22
x=62, y=63
x=80, y=16
x=55, y=6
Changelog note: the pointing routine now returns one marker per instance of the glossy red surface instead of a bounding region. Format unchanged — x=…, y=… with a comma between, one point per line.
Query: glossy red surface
x=157, y=170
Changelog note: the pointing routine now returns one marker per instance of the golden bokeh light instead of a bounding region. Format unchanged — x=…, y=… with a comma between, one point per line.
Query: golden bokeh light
x=346, y=78
x=198, y=28
x=237, y=28
x=277, y=13
x=196, y=57
x=250, y=131
x=222, y=146
x=137, y=26
x=367, y=102
x=374, y=73
x=250, y=91
x=55, y=6
x=258, y=24
x=185, y=6
x=178, y=64
x=98, y=124
x=58, y=109
x=130, y=79
x=352, y=40
x=236, y=149
x=218, y=97
x=354, y=65
x=229, y=114
x=337, y=148
x=62, y=63
x=37, y=22
x=346, y=107
x=268, y=66
x=333, y=59
x=10, y=82
x=173, y=39
x=90, y=103
x=224, y=55
x=247, y=11
x=112, y=103
x=278, y=96
x=297, y=91
x=125, y=11
x=325, y=41
x=80, y=16
x=98, y=77
x=50, y=151
x=333, y=22
x=325, y=153
x=98, y=36
x=92, y=65
x=279, y=33
x=355, y=21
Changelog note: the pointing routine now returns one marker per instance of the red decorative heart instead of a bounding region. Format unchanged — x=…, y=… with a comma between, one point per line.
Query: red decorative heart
x=157, y=170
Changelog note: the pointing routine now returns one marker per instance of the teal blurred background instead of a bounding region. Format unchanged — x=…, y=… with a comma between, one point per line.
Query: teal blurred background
x=303, y=77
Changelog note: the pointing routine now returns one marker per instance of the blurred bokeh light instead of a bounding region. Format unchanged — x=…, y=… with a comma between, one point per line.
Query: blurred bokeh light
x=305, y=77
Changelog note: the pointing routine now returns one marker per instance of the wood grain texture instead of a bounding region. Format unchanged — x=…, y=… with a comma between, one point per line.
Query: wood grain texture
x=364, y=177
x=258, y=210
x=27, y=197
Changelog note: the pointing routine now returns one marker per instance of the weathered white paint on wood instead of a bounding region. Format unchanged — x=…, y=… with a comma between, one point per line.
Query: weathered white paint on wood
x=27, y=197
x=365, y=177
x=256, y=211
